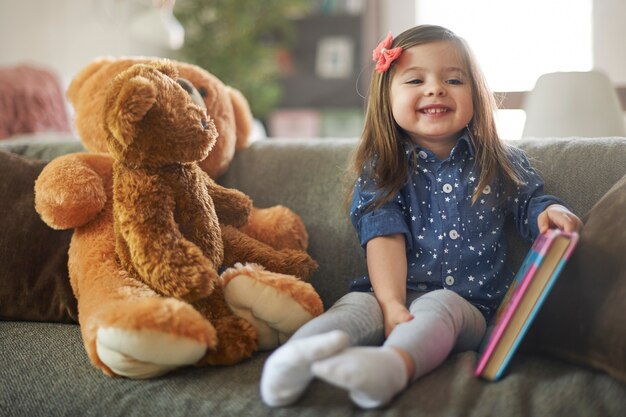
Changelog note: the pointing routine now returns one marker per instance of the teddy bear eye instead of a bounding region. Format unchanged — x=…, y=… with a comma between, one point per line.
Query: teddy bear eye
x=185, y=84
x=203, y=91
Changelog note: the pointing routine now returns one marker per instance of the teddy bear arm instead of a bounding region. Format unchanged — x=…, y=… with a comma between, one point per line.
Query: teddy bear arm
x=72, y=189
x=159, y=253
x=232, y=206
x=197, y=218
x=239, y=247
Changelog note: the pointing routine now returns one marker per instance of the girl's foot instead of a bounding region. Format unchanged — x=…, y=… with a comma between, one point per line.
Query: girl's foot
x=287, y=372
x=372, y=375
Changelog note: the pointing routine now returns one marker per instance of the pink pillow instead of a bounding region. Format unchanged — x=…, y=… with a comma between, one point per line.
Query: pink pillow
x=31, y=100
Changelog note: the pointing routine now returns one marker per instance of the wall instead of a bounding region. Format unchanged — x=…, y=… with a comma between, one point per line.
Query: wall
x=65, y=35
x=396, y=16
x=609, y=31
x=609, y=34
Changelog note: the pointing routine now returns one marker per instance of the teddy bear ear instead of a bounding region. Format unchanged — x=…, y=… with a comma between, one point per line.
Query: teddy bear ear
x=166, y=67
x=243, y=117
x=77, y=86
x=135, y=98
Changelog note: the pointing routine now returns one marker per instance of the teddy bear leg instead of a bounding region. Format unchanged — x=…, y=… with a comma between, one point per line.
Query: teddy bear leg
x=142, y=354
x=239, y=247
x=146, y=337
x=127, y=328
x=237, y=338
x=148, y=351
x=278, y=227
x=275, y=304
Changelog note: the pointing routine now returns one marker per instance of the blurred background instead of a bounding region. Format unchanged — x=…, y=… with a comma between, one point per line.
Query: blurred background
x=304, y=65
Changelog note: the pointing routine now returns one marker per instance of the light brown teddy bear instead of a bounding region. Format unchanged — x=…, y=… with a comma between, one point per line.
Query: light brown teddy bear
x=129, y=328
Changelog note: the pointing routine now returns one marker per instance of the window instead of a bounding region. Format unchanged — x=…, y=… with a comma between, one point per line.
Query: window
x=515, y=42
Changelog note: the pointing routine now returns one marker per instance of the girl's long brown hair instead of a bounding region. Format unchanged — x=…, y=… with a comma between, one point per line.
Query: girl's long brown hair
x=382, y=139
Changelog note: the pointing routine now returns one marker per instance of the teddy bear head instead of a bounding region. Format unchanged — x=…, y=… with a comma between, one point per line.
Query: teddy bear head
x=227, y=106
x=151, y=120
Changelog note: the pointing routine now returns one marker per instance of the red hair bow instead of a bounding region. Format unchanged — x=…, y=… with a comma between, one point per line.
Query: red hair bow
x=385, y=56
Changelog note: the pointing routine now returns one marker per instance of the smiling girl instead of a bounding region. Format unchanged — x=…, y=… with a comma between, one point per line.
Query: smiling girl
x=434, y=185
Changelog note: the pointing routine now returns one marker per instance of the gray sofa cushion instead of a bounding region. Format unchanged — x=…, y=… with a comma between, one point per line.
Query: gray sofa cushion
x=45, y=372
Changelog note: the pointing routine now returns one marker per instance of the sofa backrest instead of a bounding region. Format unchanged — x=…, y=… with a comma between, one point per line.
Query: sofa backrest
x=307, y=175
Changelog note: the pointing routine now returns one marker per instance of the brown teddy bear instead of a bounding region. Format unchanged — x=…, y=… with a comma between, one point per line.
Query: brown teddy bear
x=129, y=328
x=166, y=231
x=277, y=226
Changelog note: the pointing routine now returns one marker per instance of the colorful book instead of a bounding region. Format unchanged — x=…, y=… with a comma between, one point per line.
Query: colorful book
x=533, y=282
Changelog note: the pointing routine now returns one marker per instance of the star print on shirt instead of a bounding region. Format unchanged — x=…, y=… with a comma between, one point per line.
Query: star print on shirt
x=456, y=235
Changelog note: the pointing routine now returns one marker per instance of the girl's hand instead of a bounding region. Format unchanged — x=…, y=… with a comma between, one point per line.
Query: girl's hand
x=394, y=314
x=557, y=216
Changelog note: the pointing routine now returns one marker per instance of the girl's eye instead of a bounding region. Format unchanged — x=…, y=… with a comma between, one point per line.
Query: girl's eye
x=415, y=81
x=454, y=81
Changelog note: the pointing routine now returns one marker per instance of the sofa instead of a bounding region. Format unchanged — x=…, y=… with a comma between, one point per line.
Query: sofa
x=44, y=370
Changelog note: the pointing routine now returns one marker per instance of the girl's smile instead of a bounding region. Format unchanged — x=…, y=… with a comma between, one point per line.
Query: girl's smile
x=435, y=110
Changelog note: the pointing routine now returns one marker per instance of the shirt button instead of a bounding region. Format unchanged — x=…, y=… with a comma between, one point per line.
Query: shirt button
x=447, y=188
x=453, y=234
x=449, y=280
x=422, y=154
x=487, y=190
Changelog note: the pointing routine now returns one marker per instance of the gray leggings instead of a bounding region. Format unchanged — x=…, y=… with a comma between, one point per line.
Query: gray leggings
x=443, y=322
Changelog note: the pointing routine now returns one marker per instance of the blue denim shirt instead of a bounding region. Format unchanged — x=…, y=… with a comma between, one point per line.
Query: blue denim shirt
x=451, y=243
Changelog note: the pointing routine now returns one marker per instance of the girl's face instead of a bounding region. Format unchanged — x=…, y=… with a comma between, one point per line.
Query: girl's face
x=431, y=97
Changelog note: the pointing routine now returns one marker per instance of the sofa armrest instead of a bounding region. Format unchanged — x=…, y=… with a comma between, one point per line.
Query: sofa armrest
x=42, y=146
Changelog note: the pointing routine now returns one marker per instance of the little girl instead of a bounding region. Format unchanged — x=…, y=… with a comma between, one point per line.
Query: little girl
x=435, y=185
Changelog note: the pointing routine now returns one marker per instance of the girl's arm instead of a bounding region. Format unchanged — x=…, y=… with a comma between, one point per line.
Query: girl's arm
x=387, y=267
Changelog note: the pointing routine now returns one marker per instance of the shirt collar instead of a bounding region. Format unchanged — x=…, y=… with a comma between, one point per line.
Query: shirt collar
x=463, y=143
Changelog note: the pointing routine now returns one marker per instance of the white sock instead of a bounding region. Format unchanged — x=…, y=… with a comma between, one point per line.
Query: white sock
x=287, y=372
x=372, y=375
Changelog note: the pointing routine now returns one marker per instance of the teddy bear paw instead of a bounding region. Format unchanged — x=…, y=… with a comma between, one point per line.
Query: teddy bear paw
x=196, y=285
x=275, y=304
x=297, y=263
x=142, y=354
x=189, y=275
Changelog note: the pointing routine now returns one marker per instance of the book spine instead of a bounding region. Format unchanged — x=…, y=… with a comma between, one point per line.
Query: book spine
x=537, y=307
x=507, y=314
x=522, y=282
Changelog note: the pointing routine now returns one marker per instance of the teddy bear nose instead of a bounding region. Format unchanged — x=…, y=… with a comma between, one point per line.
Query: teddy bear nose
x=205, y=124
